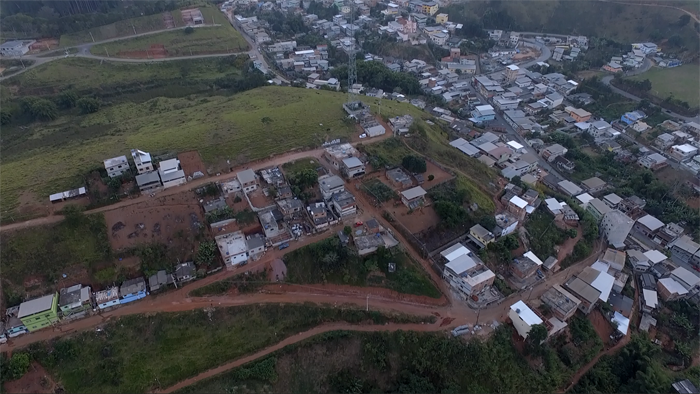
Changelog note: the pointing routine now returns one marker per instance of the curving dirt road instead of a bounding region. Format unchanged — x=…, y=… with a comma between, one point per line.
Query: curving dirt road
x=297, y=338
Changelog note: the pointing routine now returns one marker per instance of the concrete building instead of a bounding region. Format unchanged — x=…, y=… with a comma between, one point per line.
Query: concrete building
x=653, y=161
x=116, y=166
x=171, y=174
x=454, y=251
x=414, y=197
x=597, y=208
x=330, y=185
x=233, y=249
x=615, y=259
x=148, y=181
x=523, y=318
x=142, y=160
x=75, y=301
x=615, y=227
x=248, y=180
x=648, y=226
x=569, y=188
x=687, y=279
x=344, y=203
x=594, y=185
x=467, y=277
x=525, y=266
x=481, y=236
x=612, y=200
x=686, y=250
x=562, y=303
x=336, y=153
x=587, y=294
x=639, y=261
x=352, y=167
x=15, y=47
x=39, y=312
x=683, y=152
x=132, y=290
x=107, y=298
x=670, y=290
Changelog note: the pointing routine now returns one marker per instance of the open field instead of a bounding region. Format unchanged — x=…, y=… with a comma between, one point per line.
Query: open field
x=123, y=28
x=106, y=78
x=220, y=128
x=40, y=255
x=682, y=82
x=202, y=41
x=327, y=261
x=122, y=358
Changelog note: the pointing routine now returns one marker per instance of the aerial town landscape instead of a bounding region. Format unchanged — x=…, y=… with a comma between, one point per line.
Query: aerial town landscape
x=350, y=196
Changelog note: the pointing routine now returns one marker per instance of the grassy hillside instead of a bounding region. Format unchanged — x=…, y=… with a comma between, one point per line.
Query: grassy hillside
x=202, y=40
x=621, y=22
x=681, y=82
x=123, y=28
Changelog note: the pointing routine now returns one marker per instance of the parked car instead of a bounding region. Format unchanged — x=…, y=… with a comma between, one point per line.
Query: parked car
x=358, y=224
x=284, y=245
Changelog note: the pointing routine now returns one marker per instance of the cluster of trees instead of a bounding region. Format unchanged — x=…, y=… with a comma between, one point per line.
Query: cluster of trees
x=15, y=367
x=323, y=12
x=377, y=75
x=249, y=79
x=55, y=18
x=414, y=164
x=302, y=181
x=286, y=25
x=219, y=215
x=206, y=253
x=47, y=109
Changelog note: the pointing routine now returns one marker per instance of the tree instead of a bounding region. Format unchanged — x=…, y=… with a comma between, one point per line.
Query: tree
x=206, y=253
x=18, y=366
x=189, y=30
x=266, y=122
x=431, y=177
x=40, y=109
x=414, y=164
x=537, y=335
x=683, y=20
x=347, y=230
x=88, y=105
x=67, y=99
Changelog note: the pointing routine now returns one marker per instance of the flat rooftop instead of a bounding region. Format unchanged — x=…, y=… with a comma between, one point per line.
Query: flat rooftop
x=561, y=300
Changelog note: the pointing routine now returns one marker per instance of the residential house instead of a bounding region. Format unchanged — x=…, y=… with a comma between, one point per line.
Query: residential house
x=454, y=251
x=107, y=298
x=15, y=47
x=148, y=181
x=330, y=185
x=670, y=290
x=552, y=100
x=615, y=227
x=569, y=188
x=664, y=141
x=170, y=173
x=687, y=279
x=579, y=114
x=564, y=164
x=318, y=214
x=598, y=277
x=116, y=166
x=142, y=160
x=648, y=226
x=562, y=303
x=441, y=19
x=233, y=249
x=599, y=129
x=525, y=266
x=414, y=197
x=344, y=203
x=256, y=245
x=632, y=117
x=483, y=113
x=613, y=67
x=649, y=300
x=685, y=386
x=612, y=200
x=683, y=152
x=352, y=167
x=481, y=236
x=517, y=206
x=75, y=301
x=653, y=161
x=535, y=108
x=686, y=250
x=159, y=280
x=615, y=259
x=401, y=124
x=593, y=185
x=584, y=199
x=639, y=261
x=523, y=318
x=39, y=312
x=398, y=178
x=551, y=152
x=132, y=290
x=248, y=180
x=185, y=272
x=467, y=276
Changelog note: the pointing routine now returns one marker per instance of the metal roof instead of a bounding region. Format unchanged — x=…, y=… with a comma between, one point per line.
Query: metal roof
x=655, y=256
x=454, y=251
x=352, y=162
x=414, y=192
x=583, y=290
x=115, y=161
x=672, y=286
x=461, y=264
x=526, y=314
x=651, y=222
x=246, y=176
x=149, y=177
x=36, y=305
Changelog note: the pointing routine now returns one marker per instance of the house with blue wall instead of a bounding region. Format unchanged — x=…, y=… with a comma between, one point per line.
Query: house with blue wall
x=107, y=298
x=632, y=117
x=132, y=290
x=14, y=326
x=483, y=113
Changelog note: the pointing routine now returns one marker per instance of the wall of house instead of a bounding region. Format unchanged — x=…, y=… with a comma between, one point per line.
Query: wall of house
x=108, y=304
x=132, y=297
x=520, y=326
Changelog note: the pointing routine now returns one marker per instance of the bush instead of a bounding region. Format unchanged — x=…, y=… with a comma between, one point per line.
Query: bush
x=88, y=105
x=18, y=366
x=414, y=164
x=189, y=30
x=431, y=177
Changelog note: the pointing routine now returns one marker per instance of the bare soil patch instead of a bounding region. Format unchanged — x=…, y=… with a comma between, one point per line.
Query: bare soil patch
x=418, y=220
x=172, y=220
x=259, y=200
x=191, y=162
x=439, y=174
x=35, y=381
x=378, y=292
x=42, y=45
x=601, y=325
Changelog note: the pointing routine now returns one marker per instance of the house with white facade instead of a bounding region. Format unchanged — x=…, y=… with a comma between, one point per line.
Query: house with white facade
x=523, y=318
x=142, y=160
x=171, y=174
x=116, y=166
x=233, y=249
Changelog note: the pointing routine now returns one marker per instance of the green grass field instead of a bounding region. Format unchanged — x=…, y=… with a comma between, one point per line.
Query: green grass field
x=328, y=262
x=682, y=82
x=94, y=76
x=139, y=353
x=123, y=28
x=202, y=40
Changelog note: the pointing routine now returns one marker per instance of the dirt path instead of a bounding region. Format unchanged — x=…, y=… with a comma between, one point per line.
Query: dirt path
x=297, y=338
x=568, y=246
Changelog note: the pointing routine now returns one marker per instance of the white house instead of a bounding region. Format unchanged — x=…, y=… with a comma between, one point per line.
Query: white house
x=233, y=248
x=15, y=48
x=116, y=166
x=523, y=318
x=171, y=174
x=142, y=160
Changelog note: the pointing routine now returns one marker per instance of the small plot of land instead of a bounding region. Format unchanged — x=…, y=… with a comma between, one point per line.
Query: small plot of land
x=299, y=165
x=418, y=220
x=328, y=261
x=166, y=220
x=544, y=235
x=259, y=199
x=123, y=28
x=377, y=190
x=120, y=359
x=191, y=162
x=200, y=40
x=682, y=82
x=602, y=326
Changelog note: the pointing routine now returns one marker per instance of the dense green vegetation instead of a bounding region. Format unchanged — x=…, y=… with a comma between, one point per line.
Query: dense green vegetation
x=242, y=283
x=398, y=362
x=121, y=358
x=328, y=261
x=676, y=85
x=44, y=252
x=544, y=234
x=451, y=202
x=376, y=74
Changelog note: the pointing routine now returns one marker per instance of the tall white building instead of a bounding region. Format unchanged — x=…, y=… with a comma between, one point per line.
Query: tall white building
x=615, y=227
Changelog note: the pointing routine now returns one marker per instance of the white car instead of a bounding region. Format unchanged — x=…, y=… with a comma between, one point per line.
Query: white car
x=363, y=135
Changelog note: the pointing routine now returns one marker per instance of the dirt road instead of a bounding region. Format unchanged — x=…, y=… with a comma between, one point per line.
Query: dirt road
x=297, y=338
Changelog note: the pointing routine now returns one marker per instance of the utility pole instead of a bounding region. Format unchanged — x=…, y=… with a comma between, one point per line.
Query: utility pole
x=367, y=302
x=93, y=38
x=107, y=52
x=133, y=27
